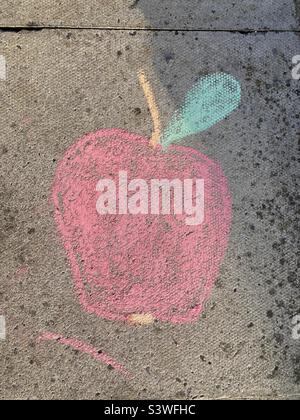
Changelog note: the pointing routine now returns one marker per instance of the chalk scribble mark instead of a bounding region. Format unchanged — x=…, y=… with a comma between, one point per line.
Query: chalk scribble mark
x=87, y=349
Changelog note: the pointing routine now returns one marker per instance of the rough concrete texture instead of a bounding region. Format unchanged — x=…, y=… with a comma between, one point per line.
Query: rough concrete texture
x=62, y=84
x=193, y=14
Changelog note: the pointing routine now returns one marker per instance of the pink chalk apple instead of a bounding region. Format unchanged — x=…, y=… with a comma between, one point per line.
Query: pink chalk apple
x=127, y=266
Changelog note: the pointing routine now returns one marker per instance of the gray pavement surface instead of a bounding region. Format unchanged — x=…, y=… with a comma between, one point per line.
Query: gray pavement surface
x=63, y=83
x=166, y=14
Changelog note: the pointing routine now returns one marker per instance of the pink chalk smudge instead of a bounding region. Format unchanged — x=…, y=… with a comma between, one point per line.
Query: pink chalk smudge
x=22, y=272
x=26, y=121
x=86, y=349
x=144, y=264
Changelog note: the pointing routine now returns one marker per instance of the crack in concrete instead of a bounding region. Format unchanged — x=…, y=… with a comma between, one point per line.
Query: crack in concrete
x=245, y=31
x=134, y=4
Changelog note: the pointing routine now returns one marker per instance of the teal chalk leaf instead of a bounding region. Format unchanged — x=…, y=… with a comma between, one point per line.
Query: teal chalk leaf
x=212, y=99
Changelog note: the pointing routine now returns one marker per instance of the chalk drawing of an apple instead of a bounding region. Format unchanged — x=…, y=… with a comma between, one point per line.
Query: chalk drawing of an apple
x=146, y=267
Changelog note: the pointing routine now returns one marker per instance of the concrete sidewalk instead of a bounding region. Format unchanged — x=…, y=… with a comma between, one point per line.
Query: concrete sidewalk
x=167, y=14
x=64, y=82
